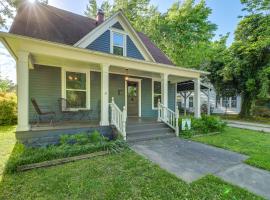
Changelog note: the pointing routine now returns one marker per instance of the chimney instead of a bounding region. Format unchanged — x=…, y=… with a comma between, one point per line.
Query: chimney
x=100, y=16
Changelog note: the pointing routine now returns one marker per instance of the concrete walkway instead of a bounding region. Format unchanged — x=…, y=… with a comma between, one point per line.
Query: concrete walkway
x=191, y=161
x=249, y=125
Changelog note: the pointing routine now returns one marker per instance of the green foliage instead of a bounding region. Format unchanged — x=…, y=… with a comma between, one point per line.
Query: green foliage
x=8, y=109
x=70, y=145
x=252, y=143
x=91, y=9
x=204, y=125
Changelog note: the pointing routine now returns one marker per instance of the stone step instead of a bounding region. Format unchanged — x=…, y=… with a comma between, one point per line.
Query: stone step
x=150, y=131
x=138, y=127
x=146, y=137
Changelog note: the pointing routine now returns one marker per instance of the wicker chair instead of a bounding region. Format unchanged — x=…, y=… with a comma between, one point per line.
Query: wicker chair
x=40, y=113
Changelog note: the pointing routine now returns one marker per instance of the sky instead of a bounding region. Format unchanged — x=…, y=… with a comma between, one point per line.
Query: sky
x=224, y=13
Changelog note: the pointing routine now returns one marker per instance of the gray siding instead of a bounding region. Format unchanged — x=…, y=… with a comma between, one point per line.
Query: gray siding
x=171, y=96
x=45, y=87
x=102, y=43
x=132, y=50
x=95, y=95
x=117, y=89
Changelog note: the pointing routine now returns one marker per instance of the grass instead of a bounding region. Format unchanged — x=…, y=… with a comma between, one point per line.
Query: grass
x=7, y=142
x=252, y=119
x=124, y=175
x=252, y=143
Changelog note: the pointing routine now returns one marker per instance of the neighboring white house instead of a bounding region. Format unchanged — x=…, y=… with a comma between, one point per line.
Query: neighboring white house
x=218, y=105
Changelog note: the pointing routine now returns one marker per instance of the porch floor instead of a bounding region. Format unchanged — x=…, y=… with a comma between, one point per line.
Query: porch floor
x=64, y=125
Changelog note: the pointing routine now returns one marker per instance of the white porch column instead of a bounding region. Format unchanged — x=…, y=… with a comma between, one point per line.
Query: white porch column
x=164, y=89
x=104, y=112
x=197, y=98
x=23, y=91
x=208, y=102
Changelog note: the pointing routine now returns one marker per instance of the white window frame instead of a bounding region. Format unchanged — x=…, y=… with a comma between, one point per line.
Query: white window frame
x=189, y=102
x=155, y=80
x=112, y=31
x=64, y=89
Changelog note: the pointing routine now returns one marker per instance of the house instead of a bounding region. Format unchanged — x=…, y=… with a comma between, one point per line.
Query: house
x=104, y=69
x=210, y=101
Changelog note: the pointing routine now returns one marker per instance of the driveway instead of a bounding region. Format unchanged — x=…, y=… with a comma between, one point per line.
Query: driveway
x=191, y=161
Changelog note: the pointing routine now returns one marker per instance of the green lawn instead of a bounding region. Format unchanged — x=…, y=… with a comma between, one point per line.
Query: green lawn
x=261, y=120
x=7, y=142
x=124, y=175
x=252, y=143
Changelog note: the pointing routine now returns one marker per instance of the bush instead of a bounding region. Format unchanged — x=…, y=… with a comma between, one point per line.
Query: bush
x=8, y=109
x=206, y=124
x=70, y=145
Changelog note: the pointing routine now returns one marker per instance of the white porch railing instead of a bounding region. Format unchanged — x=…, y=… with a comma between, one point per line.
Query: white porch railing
x=169, y=117
x=119, y=118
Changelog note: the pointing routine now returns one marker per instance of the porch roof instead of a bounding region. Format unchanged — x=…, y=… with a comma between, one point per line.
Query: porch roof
x=43, y=51
x=188, y=86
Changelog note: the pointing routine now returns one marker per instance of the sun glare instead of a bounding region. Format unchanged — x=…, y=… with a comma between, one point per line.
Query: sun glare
x=32, y=1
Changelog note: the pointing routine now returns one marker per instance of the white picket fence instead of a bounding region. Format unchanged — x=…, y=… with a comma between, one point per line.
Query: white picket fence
x=169, y=117
x=119, y=118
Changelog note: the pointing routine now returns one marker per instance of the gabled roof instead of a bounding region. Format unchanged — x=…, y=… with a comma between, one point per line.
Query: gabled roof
x=52, y=24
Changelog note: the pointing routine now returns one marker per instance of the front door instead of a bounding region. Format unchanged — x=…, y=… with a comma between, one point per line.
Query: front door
x=132, y=98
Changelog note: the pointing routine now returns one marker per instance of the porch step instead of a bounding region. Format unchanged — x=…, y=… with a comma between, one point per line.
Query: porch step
x=150, y=131
x=141, y=127
x=144, y=137
x=142, y=130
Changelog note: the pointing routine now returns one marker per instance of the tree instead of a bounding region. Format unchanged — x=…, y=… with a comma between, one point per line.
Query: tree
x=185, y=33
x=255, y=6
x=8, y=8
x=250, y=59
x=91, y=9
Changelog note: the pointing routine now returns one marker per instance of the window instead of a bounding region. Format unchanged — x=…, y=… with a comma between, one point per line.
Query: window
x=234, y=102
x=156, y=93
x=118, y=44
x=217, y=101
x=225, y=102
x=190, y=102
x=76, y=89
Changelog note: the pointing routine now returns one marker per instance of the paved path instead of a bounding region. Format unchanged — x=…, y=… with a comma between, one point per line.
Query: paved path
x=249, y=125
x=191, y=160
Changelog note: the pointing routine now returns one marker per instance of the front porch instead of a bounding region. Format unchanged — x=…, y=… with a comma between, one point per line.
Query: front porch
x=89, y=80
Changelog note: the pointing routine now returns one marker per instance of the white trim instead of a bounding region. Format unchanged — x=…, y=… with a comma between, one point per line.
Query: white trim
x=64, y=89
x=99, y=30
x=139, y=81
x=112, y=31
x=153, y=80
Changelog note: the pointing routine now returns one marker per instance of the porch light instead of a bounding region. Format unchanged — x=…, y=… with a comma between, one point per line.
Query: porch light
x=126, y=78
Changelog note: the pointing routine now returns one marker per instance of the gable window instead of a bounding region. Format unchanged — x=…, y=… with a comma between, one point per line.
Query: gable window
x=156, y=93
x=76, y=90
x=118, y=43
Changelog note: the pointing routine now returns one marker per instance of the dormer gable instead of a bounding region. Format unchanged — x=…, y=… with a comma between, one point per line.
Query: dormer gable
x=116, y=36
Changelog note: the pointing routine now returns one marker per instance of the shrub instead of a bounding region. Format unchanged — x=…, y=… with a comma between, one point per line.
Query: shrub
x=70, y=145
x=206, y=124
x=8, y=109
